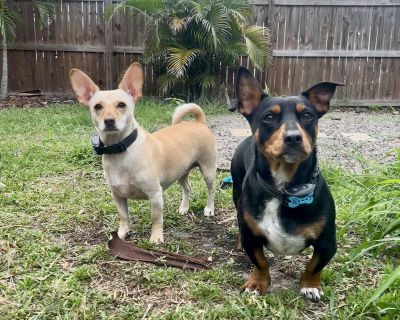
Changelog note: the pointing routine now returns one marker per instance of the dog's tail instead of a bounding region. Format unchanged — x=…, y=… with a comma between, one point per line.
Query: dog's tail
x=188, y=108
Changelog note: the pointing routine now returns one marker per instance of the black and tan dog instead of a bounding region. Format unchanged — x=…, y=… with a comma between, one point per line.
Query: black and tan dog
x=282, y=200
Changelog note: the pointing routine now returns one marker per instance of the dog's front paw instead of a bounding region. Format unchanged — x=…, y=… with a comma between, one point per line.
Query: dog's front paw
x=208, y=212
x=256, y=284
x=183, y=209
x=122, y=231
x=313, y=294
x=157, y=238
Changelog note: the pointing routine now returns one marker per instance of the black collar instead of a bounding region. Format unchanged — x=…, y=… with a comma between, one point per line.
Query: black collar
x=119, y=147
x=298, y=195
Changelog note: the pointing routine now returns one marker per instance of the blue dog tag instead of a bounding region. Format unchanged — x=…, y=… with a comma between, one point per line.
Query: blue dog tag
x=295, y=201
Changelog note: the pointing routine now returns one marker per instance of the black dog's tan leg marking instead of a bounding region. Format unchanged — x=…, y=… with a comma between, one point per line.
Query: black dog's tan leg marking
x=252, y=224
x=259, y=280
x=252, y=239
x=310, y=282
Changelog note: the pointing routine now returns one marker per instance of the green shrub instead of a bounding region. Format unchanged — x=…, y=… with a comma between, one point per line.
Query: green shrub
x=193, y=41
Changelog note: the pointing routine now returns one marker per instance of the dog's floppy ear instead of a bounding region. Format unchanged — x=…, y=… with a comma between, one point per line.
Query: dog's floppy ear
x=248, y=92
x=83, y=86
x=132, y=82
x=320, y=96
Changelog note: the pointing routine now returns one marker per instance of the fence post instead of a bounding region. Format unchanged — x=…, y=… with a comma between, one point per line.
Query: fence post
x=108, y=50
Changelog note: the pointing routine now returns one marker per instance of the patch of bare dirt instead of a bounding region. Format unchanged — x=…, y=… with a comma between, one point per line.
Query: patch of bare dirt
x=88, y=234
x=15, y=101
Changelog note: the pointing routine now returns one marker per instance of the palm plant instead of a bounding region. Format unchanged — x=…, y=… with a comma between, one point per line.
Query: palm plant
x=8, y=25
x=192, y=41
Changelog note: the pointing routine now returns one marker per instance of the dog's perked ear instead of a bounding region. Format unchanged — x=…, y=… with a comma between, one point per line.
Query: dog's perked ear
x=320, y=96
x=132, y=82
x=248, y=92
x=83, y=86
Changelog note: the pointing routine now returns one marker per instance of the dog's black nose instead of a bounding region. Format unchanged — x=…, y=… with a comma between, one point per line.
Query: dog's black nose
x=292, y=138
x=109, y=122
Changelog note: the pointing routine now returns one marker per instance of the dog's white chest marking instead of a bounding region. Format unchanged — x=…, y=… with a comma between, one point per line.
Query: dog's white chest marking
x=124, y=181
x=123, y=185
x=279, y=242
x=125, y=188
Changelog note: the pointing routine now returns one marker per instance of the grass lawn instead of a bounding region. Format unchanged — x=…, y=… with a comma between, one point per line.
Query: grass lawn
x=57, y=213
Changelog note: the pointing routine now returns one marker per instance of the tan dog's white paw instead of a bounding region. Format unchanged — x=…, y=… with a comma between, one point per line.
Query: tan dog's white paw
x=208, y=212
x=313, y=294
x=183, y=209
x=122, y=231
x=157, y=238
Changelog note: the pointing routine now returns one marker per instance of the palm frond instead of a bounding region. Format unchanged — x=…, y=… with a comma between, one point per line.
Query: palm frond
x=240, y=11
x=227, y=55
x=201, y=37
x=8, y=22
x=213, y=22
x=219, y=22
x=180, y=59
x=152, y=32
x=166, y=82
x=195, y=7
x=177, y=24
x=46, y=12
x=206, y=81
x=257, y=45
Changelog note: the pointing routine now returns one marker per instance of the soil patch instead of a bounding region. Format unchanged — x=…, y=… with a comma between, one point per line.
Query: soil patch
x=32, y=101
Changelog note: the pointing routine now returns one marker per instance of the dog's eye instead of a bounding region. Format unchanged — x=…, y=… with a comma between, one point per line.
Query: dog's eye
x=269, y=118
x=98, y=107
x=121, y=105
x=307, y=116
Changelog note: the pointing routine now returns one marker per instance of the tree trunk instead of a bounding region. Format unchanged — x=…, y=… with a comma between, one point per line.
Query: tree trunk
x=4, y=73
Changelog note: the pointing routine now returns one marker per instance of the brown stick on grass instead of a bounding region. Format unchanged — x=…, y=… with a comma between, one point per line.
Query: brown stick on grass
x=129, y=251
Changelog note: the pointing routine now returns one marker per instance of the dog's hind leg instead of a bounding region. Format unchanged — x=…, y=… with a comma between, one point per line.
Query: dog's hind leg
x=122, y=206
x=183, y=181
x=157, y=233
x=209, y=173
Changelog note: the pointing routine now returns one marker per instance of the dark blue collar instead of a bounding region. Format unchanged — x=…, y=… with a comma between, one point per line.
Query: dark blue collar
x=298, y=195
x=119, y=147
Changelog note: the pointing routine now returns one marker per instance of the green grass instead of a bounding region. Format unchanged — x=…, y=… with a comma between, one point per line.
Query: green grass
x=57, y=214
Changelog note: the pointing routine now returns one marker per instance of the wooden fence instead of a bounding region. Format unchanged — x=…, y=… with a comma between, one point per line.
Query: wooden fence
x=352, y=41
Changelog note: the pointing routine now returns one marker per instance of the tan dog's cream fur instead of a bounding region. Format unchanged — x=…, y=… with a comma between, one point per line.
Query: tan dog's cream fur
x=155, y=160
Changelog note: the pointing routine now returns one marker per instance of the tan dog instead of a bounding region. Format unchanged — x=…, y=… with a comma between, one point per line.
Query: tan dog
x=154, y=160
